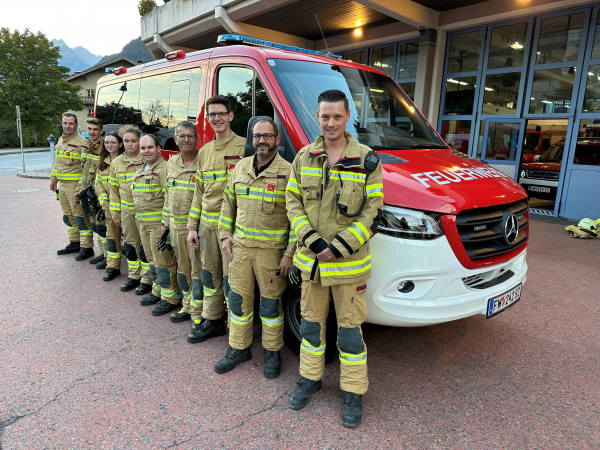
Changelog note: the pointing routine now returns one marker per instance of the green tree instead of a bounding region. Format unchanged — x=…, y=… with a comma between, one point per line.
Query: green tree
x=31, y=78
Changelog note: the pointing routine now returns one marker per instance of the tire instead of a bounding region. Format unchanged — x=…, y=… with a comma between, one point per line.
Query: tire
x=291, y=331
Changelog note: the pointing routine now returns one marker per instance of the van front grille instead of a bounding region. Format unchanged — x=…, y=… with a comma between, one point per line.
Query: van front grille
x=482, y=231
x=542, y=174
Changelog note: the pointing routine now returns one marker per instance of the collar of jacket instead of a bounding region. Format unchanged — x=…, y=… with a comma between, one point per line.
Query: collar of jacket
x=351, y=156
x=220, y=144
x=69, y=137
x=155, y=163
x=181, y=165
x=273, y=167
x=107, y=160
x=137, y=160
x=98, y=143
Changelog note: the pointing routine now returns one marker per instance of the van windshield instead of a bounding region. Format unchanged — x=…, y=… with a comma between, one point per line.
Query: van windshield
x=381, y=116
x=553, y=154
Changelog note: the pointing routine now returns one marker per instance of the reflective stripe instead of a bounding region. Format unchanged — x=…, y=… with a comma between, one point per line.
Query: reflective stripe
x=102, y=197
x=127, y=205
x=353, y=359
x=261, y=235
x=345, y=268
x=90, y=156
x=274, y=196
x=149, y=216
x=115, y=207
x=145, y=187
x=195, y=212
x=124, y=176
x=250, y=192
x=102, y=239
x=113, y=181
x=294, y=186
x=292, y=237
x=359, y=230
x=210, y=216
x=311, y=171
x=246, y=320
x=374, y=190
x=303, y=261
x=272, y=322
x=181, y=185
x=348, y=176
x=85, y=232
x=67, y=176
x=114, y=255
x=71, y=154
x=134, y=264
x=145, y=265
x=169, y=292
x=196, y=303
x=318, y=351
x=298, y=222
x=73, y=229
x=230, y=192
x=103, y=178
x=213, y=176
x=226, y=222
x=208, y=292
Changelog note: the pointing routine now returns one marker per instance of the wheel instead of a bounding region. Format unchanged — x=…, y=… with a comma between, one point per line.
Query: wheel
x=291, y=331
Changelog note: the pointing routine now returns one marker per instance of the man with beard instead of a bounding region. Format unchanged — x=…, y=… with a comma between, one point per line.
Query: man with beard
x=254, y=219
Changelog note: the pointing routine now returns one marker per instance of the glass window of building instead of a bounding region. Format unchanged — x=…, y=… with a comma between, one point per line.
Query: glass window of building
x=409, y=89
x=457, y=134
x=357, y=57
x=383, y=59
x=464, y=52
x=460, y=96
x=407, y=63
x=501, y=93
x=480, y=138
x=592, y=90
x=551, y=91
x=507, y=45
x=596, y=47
x=587, y=150
x=560, y=38
x=502, y=141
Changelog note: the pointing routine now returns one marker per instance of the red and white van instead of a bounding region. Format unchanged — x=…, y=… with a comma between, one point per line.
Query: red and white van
x=453, y=238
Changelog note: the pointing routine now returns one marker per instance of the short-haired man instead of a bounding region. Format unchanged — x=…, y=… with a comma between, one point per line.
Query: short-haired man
x=217, y=160
x=181, y=180
x=334, y=200
x=89, y=166
x=148, y=189
x=254, y=220
x=67, y=172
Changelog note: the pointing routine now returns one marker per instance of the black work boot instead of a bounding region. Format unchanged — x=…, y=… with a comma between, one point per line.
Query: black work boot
x=179, y=316
x=84, y=253
x=72, y=247
x=143, y=289
x=111, y=274
x=352, y=412
x=101, y=265
x=150, y=300
x=300, y=397
x=232, y=358
x=96, y=259
x=207, y=330
x=192, y=338
x=129, y=285
x=163, y=307
x=272, y=364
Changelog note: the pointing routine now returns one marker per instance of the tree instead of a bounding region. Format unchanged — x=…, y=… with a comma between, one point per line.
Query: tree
x=31, y=78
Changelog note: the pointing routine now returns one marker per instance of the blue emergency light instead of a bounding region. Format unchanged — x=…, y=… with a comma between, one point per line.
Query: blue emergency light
x=226, y=39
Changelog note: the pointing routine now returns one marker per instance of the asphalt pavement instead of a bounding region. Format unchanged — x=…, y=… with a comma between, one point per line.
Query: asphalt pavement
x=11, y=163
x=84, y=366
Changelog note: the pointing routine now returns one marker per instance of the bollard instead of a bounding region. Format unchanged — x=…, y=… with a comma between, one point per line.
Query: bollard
x=52, y=140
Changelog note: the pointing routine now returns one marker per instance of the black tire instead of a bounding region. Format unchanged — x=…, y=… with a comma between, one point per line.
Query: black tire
x=291, y=331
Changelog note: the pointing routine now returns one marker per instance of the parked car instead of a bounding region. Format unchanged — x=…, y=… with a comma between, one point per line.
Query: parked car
x=537, y=142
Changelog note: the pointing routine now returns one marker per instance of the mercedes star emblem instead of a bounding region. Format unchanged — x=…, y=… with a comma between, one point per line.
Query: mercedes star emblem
x=511, y=229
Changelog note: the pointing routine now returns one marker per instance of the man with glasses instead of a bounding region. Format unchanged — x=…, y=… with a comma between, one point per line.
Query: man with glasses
x=181, y=180
x=254, y=219
x=216, y=162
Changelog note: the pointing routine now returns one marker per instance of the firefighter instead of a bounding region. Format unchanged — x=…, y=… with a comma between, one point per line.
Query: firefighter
x=181, y=179
x=216, y=161
x=122, y=210
x=334, y=201
x=89, y=163
x=67, y=171
x=112, y=147
x=254, y=219
x=148, y=189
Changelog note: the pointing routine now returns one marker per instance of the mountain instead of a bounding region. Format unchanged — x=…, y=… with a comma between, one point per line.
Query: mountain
x=76, y=59
x=134, y=50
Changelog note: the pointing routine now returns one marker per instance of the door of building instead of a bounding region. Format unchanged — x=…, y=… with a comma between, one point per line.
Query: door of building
x=502, y=145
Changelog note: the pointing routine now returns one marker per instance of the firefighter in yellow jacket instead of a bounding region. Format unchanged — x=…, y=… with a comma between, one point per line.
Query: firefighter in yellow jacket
x=217, y=160
x=89, y=166
x=334, y=200
x=122, y=210
x=148, y=189
x=113, y=147
x=67, y=172
x=181, y=180
x=254, y=219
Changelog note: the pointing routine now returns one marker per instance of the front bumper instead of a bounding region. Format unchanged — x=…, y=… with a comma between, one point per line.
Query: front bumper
x=440, y=293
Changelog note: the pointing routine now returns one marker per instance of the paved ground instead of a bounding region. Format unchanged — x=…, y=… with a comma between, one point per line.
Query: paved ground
x=11, y=151
x=83, y=366
x=11, y=164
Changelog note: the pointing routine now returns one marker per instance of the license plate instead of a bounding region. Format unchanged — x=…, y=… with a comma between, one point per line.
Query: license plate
x=501, y=302
x=539, y=189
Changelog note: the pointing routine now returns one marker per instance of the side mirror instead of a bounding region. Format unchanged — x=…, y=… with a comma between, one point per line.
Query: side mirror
x=536, y=157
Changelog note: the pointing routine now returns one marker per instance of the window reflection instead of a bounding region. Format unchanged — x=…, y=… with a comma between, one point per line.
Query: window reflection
x=409, y=89
x=457, y=134
x=560, y=38
x=460, y=96
x=357, y=57
x=592, y=90
x=502, y=141
x=383, y=59
x=506, y=46
x=501, y=93
x=587, y=149
x=464, y=52
x=596, y=47
x=551, y=91
x=407, y=64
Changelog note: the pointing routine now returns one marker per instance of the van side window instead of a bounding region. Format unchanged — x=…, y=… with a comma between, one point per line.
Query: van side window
x=118, y=104
x=246, y=95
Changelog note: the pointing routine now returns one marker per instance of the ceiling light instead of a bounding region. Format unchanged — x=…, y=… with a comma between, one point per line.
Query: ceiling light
x=451, y=80
x=376, y=90
x=516, y=45
x=358, y=24
x=377, y=63
x=357, y=32
x=591, y=74
x=546, y=101
x=488, y=89
x=532, y=98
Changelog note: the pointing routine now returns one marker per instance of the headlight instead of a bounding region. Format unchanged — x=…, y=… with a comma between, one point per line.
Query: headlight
x=523, y=174
x=409, y=224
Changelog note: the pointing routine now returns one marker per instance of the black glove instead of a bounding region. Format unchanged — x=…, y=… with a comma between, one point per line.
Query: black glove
x=101, y=215
x=165, y=241
x=294, y=275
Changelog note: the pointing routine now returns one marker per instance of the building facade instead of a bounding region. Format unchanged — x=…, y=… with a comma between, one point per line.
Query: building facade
x=515, y=83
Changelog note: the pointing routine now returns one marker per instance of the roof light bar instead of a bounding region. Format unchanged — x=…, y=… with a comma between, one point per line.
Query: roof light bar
x=177, y=54
x=229, y=39
x=120, y=70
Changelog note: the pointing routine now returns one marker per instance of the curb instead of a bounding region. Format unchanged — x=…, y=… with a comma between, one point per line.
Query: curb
x=26, y=151
x=34, y=175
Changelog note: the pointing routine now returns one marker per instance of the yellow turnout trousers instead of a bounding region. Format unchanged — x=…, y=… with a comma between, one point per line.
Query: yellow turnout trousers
x=252, y=264
x=134, y=252
x=113, y=243
x=351, y=311
x=214, y=275
x=80, y=229
x=189, y=270
x=163, y=265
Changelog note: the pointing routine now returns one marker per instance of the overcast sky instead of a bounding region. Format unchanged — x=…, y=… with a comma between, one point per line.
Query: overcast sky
x=101, y=26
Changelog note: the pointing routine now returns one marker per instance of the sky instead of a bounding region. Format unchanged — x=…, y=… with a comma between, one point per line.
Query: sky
x=103, y=27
